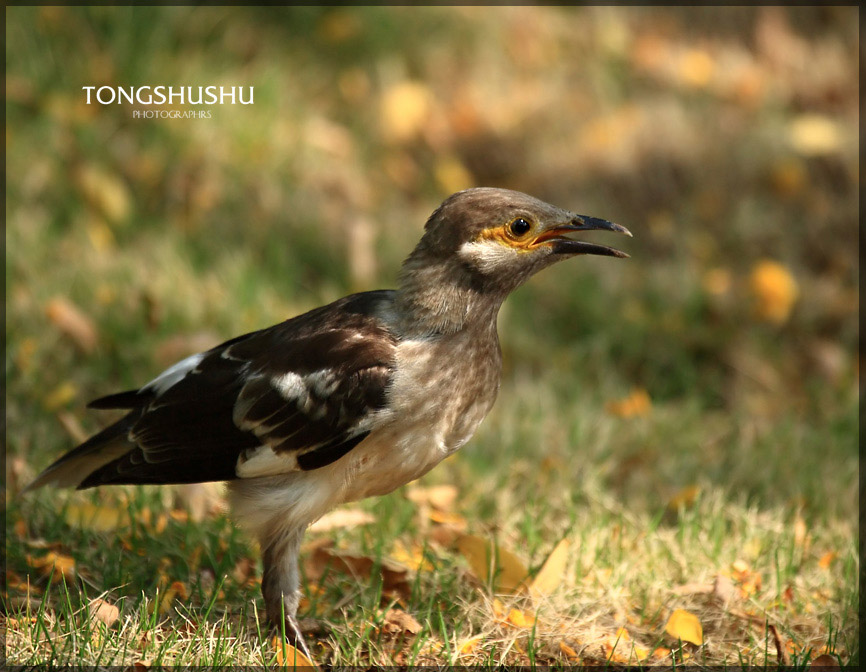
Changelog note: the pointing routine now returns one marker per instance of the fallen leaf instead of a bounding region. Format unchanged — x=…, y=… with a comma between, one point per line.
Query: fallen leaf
x=827, y=559
x=568, y=651
x=684, y=499
x=775, y=291
x=491, y=564
x=411, y=557
x=814, y=135
x=142, y=664
x=801, y=533
x=60, y=396
x=520, y=618
x=55, y=565
x=104, y=612
x=685, y=626
x=550, y=575
x=637, y=404
x=342, y=518
x=200, y=499
x=289, y=655
x=469, y=645
x=73, y=323
x=398, y=623
x=98, y=518
x=441, y=497
x=825, y=660
x=405, y=108
x=395, y=578
x=106, y=192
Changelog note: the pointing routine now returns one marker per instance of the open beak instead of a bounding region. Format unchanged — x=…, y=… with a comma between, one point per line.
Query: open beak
x=555, y=235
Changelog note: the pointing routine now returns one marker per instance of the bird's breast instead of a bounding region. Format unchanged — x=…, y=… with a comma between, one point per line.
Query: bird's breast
x=441, y=391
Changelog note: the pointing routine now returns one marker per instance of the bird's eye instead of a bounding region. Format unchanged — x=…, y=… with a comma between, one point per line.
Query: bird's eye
x=519, y=227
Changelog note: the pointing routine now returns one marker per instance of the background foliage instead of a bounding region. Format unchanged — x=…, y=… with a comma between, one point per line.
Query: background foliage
x=715, y=373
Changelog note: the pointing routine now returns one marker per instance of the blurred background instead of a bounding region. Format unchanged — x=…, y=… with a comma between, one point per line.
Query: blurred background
x=724, y=353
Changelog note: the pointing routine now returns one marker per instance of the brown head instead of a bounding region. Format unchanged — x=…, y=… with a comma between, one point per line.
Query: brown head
x=481, y=244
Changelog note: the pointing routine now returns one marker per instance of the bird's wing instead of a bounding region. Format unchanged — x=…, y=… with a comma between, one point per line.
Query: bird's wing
x=296, y=396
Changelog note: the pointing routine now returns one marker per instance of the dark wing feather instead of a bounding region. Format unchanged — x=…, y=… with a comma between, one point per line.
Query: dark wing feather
x=301, y=393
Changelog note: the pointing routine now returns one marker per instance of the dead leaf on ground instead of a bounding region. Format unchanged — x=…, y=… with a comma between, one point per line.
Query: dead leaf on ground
x=440, y=497
x=98, y=518
x=104, y=612
x=636, y=404
x=56, y=565
x=685, y=626
x=395, y=578
x=824, y=660
x=342, y=518
x=550, y=575
x=492, y=564
x=775, y=291
x=200, y=499
x=399, y=623
x=289, y=655
x=73, y=323
x=684, y=499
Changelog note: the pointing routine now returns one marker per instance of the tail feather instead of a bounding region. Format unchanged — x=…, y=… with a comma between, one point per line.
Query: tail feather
x=128, y=399
x=74, y=467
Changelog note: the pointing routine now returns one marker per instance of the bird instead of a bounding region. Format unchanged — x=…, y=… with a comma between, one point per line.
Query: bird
x=349, y=400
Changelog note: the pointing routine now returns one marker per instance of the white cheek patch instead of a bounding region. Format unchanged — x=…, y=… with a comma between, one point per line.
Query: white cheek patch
x=488, y=255
x=173, y=374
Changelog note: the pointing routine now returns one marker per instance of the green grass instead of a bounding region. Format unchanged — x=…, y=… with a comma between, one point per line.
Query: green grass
x=191, y=233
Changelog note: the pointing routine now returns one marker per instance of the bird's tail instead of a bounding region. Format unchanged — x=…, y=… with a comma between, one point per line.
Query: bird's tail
x=74, y=467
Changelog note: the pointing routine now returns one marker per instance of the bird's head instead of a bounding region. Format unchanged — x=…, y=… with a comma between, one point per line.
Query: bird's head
x=486, y=242
x=501, y=237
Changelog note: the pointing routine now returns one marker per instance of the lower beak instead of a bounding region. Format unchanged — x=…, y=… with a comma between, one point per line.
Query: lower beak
x=562, y=245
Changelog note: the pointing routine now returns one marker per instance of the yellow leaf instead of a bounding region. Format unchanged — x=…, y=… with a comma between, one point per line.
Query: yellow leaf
x=567, y=650
x=497, y=565
x=411, y=557
x=827, y=559
x=289, y=655
x=775, y=291
x=60, y=396
x=441, y=497
x=521, y=619
x=405, y=110
x=470, y=645
x=636, y=404
x=684, y=498
x=98, y=518
x=54, y=564
x=106, y=192
x=696, y=68
x=685, y=626
x=814, y=135
x=451, y=175
x=550, y=575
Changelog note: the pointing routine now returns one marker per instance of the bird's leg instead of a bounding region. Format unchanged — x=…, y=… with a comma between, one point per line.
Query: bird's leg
x=281, y=586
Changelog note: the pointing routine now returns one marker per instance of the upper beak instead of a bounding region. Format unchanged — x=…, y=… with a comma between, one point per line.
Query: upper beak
x=562, y=245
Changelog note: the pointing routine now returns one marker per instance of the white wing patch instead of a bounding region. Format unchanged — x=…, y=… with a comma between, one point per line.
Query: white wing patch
x=174, y=374
x=263, y=461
